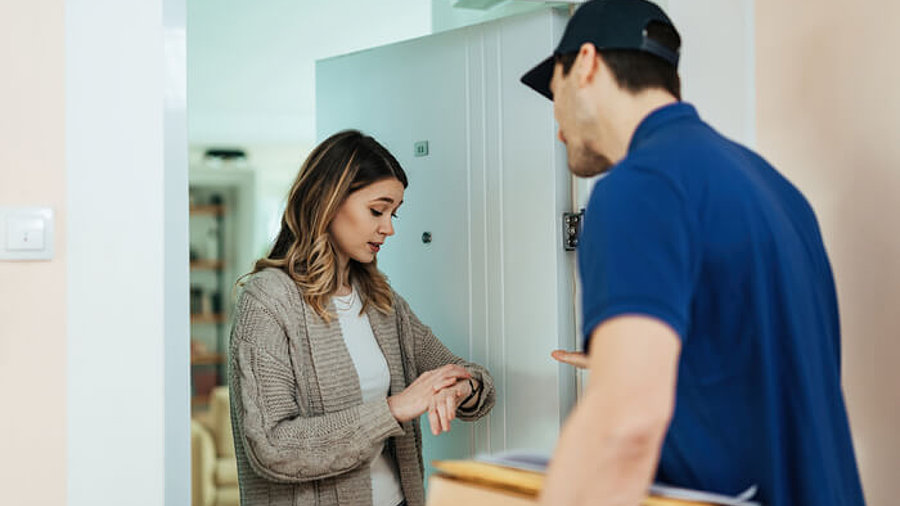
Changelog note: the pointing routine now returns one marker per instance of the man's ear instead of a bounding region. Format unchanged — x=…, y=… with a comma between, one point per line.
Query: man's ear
x=586, y=64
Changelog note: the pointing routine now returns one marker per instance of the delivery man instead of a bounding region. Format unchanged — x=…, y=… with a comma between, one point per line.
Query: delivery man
x=710, y=313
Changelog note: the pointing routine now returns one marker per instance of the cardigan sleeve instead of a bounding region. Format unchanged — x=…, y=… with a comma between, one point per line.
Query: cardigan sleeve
x=281, y=443
x=430, y=353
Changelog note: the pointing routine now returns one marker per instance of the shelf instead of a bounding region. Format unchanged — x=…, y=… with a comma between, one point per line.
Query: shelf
x=214, y=210
x=208, y=359
x=218, y=221
x=213, y=265
x=207, y=318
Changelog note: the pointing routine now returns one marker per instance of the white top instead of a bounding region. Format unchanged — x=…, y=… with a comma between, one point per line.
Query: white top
x=375, y=382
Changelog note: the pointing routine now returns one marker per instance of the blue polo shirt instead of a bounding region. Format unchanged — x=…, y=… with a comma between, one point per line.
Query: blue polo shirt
x=703, y=234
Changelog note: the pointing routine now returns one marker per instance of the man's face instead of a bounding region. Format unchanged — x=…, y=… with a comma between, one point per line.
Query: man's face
x=577, y=125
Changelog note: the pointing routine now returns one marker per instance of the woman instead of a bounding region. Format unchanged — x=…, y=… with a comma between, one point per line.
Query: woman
x=330, y=369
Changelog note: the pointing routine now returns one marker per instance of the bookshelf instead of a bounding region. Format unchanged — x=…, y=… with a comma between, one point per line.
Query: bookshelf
x=221, y=226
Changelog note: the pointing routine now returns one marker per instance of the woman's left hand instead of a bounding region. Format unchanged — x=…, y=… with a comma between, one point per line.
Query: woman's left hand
x=444, y=403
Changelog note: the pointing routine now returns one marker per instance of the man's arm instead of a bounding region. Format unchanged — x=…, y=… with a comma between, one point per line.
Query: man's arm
x=609, y=448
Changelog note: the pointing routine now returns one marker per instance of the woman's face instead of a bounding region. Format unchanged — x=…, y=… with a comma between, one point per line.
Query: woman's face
x=363, y=221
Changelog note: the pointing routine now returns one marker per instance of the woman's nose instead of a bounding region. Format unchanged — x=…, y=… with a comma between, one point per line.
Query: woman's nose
x=387, y=229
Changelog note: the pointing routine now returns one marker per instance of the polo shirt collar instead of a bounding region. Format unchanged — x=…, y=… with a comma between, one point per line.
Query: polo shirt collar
x=661, y=117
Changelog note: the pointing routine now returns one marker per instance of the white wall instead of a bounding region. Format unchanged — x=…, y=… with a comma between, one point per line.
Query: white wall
x=126, y=178
x=717, y=64
x=446, y=17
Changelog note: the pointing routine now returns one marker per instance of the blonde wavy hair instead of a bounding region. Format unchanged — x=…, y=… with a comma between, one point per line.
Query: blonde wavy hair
x=304, y=249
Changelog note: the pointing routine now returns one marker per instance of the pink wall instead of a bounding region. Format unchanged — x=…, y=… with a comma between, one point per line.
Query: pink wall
x=33, y=294
x=828, y=111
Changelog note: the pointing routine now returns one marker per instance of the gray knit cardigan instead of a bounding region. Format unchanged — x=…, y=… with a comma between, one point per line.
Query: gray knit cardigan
x=303, y=435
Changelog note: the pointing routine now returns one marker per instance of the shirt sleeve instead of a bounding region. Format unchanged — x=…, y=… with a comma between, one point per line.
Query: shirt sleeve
x=637, y=251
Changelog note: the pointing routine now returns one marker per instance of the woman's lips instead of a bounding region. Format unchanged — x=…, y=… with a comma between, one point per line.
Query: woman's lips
x=374, y=247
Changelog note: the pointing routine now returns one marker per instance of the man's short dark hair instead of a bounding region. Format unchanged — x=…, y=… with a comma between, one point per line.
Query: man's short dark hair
x=636, y=70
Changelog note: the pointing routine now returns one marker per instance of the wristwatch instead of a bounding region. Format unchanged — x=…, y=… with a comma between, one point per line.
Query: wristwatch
x=473, y=392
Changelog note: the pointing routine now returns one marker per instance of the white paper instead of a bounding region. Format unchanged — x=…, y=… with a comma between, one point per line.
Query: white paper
x=538, y=461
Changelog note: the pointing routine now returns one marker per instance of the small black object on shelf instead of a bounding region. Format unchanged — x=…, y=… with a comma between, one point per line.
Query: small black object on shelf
x=225, y=153
x=196, y=300
x=216, y=302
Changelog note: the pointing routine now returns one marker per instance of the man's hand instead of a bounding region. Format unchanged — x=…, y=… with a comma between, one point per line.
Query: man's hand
x=608, y=450
x=576, y=358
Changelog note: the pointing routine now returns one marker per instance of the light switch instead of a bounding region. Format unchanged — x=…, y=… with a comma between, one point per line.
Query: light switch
x=25, y=233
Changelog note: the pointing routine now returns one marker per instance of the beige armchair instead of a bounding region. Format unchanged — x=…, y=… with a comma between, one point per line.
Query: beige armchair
x=214, y=478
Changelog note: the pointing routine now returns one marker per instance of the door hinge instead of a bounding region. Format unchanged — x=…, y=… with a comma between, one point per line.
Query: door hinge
x=572, y=229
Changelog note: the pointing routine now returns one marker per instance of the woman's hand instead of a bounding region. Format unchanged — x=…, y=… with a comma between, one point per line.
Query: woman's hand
x=444, y=404
x=419, y=395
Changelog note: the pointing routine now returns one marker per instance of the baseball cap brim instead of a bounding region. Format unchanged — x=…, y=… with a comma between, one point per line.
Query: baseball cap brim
x=608, y=25
x=539, y=77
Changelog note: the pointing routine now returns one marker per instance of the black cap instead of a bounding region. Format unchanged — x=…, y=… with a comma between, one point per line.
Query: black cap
x=608, y=24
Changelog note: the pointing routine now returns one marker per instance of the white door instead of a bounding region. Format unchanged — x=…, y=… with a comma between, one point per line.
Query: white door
x=494, y=282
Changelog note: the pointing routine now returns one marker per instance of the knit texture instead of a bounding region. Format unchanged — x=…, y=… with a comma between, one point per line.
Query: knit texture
x=302, y=433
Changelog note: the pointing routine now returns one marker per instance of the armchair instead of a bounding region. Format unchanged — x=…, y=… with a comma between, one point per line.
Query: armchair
x=214, y=478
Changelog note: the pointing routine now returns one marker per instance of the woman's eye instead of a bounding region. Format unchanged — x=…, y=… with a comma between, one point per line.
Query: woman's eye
x=394, y=215
x=376, y=213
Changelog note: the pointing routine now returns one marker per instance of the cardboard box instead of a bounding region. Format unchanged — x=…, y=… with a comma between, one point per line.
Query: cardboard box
x=472, y=483
x=446, y=491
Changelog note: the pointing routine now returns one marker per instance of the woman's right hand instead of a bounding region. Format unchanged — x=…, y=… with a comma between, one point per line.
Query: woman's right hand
x=416, y=398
